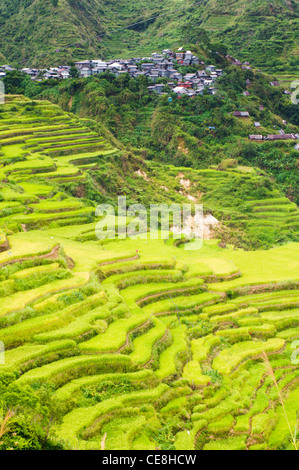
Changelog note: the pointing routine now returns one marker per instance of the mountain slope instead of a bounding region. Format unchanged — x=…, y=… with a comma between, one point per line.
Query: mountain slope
x=258, y=30
x=146, y=343
x=33, y=27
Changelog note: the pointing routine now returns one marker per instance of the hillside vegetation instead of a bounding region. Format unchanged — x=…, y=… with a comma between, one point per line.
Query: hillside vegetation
x=40, y=32
x=139, y=343
x=198, y=133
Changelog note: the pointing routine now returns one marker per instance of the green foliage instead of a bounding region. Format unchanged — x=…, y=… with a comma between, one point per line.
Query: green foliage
x=151, y=344
x=265, y=34
x=104, y=391
x=26, y=428
x=15, y=82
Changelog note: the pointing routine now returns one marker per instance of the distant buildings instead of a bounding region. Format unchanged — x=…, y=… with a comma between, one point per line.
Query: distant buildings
x=155, y=67
x=241, y=114
x=272, y=137
x=163, y=65
x=180, y=90
x=281, y=137
x=237, y=63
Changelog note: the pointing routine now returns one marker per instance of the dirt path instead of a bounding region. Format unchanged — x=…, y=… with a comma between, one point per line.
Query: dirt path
x=214, y=278
x=127, y=342
x=52, y=255
x=119, y=260
x=165, y=293
x=260, y=288
x=5, y=246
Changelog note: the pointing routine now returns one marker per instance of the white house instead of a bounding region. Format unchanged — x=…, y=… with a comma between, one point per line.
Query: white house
x=115, y=65
x=180, y=90
x=85, y=72
x=210, y=68
x=98, y=63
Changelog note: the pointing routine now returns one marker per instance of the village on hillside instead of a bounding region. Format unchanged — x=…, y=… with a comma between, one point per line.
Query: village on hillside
x=154, y=68
x=166, y=65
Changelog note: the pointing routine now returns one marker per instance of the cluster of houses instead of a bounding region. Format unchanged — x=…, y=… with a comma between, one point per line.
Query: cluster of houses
x=155, y=67
x=238, y=63
x=190, y=84
x=159, y=66
x=4, y=69
x=165, y=65
x=275, y=137
x=280, y=136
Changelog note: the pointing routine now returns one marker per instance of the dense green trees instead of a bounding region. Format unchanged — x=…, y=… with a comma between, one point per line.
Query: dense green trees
x=37, y=32
x=25, y=415
x=16, y=82
x=74, y=72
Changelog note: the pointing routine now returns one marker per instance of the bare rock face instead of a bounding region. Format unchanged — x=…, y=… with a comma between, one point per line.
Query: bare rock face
x=186, y=186
x=185, y=183
x=201, y=226
x=142, y=174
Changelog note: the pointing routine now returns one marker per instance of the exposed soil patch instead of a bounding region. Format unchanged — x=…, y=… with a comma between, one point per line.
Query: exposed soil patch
x=142, y=174
x=119, y=260
x=53, y=254
x=185, y=183
x=203, y=226
x=5, y=246
x=70, y=262
x=215, y=278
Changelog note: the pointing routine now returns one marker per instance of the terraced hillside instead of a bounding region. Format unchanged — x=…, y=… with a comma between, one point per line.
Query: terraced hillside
x=141, y=344
x=242, y=198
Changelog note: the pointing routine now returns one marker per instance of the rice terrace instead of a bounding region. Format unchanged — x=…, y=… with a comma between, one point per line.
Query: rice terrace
x=138, y=344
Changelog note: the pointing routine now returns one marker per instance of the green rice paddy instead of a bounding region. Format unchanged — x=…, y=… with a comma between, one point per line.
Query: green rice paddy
x=136, y=334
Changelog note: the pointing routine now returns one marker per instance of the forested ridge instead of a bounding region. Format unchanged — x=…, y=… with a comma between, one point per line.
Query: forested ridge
x=40, y=32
